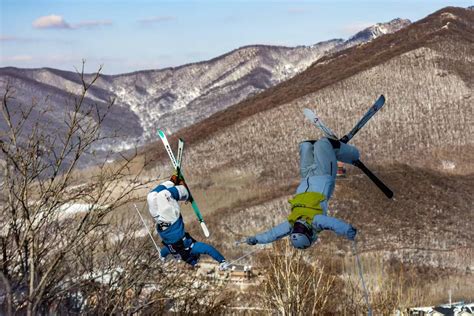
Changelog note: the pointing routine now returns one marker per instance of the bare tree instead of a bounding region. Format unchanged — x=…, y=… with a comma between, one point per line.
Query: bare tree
x=38, y=241
x=68, y=242
x=391, y=286
x=295, y=284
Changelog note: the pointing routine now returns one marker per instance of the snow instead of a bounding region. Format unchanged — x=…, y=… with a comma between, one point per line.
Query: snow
x=446, y=26
x=449, y=16
x=68, y=209
x=104, y=276
x=448, y=165
x=136, y=234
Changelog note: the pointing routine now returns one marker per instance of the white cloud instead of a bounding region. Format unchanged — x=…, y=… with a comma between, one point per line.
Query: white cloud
x=51, y=22
x=353, y=28
x=58, y=22
x=156, y=19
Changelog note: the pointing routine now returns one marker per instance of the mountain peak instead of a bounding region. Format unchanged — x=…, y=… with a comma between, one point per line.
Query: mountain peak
x=379, y=29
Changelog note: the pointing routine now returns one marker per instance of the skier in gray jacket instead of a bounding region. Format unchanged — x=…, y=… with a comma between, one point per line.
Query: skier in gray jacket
x=318, y=168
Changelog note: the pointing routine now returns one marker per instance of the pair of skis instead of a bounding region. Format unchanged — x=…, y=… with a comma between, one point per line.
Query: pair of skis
x=176, y=162
x=330, y=134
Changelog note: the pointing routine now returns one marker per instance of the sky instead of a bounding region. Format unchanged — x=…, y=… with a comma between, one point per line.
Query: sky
x=126, y=36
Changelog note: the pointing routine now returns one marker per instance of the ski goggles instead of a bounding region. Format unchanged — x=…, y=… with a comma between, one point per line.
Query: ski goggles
x=302, y=228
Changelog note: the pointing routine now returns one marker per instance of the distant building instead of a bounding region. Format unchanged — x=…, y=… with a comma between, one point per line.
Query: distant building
x=240, y=275
x=454, y=309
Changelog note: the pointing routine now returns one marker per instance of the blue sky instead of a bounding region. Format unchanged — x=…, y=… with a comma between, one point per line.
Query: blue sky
x=127, y=36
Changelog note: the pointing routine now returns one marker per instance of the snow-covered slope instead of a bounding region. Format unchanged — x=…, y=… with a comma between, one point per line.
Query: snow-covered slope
x=377, y=30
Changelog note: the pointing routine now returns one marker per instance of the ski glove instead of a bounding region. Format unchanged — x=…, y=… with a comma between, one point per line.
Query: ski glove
x=251, y=240
x=177, y=180
x=223, y=266
x=351, y=233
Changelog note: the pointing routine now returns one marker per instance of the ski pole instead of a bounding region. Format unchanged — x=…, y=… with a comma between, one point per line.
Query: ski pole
x=366, y=293
x=148, y=231
x=239, y=242
x=246, y=255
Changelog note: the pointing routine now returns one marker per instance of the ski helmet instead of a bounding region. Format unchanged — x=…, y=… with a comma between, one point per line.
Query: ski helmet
x=302, y=236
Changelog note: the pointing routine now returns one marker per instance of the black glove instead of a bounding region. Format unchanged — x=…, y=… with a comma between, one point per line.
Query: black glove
x=251, y=240
x=351, y=233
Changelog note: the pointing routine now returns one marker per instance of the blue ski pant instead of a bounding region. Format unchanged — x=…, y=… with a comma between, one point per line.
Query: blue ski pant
x=199, y=248
x=320, y=158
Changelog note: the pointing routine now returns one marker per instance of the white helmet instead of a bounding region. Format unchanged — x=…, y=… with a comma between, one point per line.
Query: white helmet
x=301, y=235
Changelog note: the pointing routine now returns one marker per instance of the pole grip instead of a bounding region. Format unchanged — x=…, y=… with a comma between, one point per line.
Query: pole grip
x=205, y=230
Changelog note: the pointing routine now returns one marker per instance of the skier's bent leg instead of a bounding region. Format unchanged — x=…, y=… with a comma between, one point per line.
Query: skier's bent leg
x=324, y=158
x=347, y=153
x=306, y=158
x=203, y=248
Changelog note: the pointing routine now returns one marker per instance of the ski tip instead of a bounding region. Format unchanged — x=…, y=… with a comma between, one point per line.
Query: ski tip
x=161, y=133
x=381, y=98
x=309, y=114
x=205, y=230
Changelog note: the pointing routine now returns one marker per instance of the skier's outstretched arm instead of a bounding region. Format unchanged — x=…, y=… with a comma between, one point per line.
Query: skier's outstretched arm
x=323, y=222
x=200, y=248
x=271, y=235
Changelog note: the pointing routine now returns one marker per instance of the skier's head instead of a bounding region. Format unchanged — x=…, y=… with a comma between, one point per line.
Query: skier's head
x=302, y=235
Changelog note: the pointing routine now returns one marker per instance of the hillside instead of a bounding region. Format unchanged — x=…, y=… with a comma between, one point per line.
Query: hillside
x=247, y=155
x=427, y=223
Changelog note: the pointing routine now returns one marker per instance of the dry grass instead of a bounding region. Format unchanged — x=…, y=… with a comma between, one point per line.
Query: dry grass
x=393, y=285
x=295, y=281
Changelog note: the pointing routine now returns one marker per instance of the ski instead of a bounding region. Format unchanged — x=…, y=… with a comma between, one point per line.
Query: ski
x=164, y=139
x=388, y=193
x=310, y=115
x=179, y=157
x=330, y=134
x=177, y=166
x=367, y=116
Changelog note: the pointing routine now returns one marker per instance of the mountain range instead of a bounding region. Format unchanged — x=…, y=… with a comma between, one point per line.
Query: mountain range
x=174, y=98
